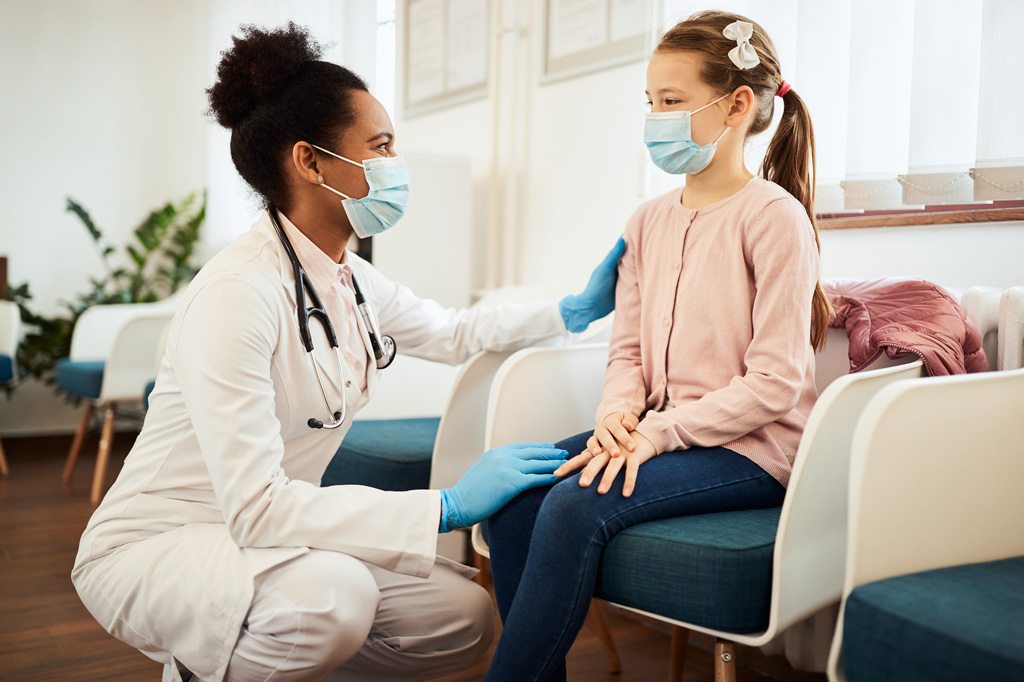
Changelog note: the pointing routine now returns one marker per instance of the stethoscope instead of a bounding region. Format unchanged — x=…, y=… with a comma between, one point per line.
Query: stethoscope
x=384, y=347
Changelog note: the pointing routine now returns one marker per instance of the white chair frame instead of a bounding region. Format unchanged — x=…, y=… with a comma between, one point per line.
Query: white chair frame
x=914, y=503
x=126, y=337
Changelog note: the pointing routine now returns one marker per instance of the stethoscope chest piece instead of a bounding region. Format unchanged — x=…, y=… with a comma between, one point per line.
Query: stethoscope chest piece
x=389, y=350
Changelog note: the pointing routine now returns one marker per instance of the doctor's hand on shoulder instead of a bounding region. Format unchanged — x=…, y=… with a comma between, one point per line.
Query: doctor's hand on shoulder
x=500, y=475
x=598, y=298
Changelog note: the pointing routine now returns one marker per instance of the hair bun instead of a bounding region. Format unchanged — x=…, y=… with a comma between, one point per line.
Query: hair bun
x=258, y=66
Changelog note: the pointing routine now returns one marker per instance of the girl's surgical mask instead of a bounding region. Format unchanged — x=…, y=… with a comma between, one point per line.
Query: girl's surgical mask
x=669, y=140
x=388, y=178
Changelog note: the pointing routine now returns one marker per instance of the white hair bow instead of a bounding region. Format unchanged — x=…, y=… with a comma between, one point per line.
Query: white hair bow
x=743, y=55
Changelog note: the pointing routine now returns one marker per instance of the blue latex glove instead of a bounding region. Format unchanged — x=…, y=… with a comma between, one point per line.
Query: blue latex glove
x=500, y=475
x=598, y=299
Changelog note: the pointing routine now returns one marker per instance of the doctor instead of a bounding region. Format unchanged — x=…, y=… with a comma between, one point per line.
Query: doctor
x=216, y=552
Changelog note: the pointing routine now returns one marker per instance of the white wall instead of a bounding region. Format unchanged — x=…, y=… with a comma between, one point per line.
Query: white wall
x=952, y=255
x=584, y=171
x=100, y=103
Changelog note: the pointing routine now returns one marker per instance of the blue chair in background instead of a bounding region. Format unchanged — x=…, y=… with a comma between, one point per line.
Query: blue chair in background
x=10, y=321
x=112, y=357
x=934, y=587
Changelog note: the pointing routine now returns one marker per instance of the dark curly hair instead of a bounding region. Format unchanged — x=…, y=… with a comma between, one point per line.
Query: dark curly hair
x=272, y=91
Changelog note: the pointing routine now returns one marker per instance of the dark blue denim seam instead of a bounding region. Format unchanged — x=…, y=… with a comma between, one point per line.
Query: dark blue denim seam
x=592, y=544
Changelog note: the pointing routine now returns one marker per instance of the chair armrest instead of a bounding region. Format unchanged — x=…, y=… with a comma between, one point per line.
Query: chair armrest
x=97, y=328
x=130, y=363
x=546, y=394
x=460, y=436
x=811, y=542
x=935, y=478
x=10, y=325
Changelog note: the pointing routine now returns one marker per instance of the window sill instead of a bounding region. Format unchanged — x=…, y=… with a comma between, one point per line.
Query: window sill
x=932, y=215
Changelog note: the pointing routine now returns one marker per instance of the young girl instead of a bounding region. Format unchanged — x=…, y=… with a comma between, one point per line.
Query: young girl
x=711, y=368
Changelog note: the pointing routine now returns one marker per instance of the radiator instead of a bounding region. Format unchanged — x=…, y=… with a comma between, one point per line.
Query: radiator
x=1011, y=329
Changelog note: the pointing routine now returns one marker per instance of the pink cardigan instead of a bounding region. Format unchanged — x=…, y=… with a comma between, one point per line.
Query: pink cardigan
x=711, y=339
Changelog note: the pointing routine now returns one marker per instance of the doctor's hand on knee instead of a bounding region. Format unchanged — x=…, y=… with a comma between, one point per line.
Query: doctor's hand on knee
x=500, y=475
x=598, y=298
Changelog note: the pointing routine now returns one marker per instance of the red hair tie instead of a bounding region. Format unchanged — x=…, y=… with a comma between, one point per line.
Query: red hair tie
x=784, y=87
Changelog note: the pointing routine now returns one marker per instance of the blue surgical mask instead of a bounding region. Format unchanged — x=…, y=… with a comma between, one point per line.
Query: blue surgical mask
x=669, y=140
x=378, y=211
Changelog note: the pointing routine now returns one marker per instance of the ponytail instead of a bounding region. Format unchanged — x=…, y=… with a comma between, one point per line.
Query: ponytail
x=791, y=163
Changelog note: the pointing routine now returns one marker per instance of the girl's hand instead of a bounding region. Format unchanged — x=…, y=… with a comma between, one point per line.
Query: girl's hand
x=593, y=464
x=612, y=434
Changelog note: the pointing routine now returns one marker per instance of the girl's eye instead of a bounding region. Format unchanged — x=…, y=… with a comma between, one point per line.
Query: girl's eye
x=669, y=102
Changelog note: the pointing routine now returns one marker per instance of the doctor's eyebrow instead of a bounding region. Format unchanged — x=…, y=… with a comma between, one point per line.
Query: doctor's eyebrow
x=383, y=134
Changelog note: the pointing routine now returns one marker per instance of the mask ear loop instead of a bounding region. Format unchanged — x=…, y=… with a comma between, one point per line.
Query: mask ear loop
x=320, y=181
x=699, y=109
x=320, y=178
x=339, y=156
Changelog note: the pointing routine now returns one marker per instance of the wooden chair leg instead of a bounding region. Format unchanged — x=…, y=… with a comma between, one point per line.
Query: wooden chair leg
x=4, y=471
x=597, y=621
x=481, y=563
x=106, y=438
x=677, y=653
x=725, y=661
x=76, y=444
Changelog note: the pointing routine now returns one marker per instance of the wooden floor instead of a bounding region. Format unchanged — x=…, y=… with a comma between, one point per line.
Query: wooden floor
x=46, y=633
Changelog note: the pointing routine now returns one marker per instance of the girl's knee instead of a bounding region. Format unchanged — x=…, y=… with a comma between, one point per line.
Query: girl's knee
x=569, y=505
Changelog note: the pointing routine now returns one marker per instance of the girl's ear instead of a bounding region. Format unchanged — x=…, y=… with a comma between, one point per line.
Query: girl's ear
x=740, y=105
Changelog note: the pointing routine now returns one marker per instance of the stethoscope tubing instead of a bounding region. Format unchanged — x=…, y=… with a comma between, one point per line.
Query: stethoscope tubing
x=383, y=347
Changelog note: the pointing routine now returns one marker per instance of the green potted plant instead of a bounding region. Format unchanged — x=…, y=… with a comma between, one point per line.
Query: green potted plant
x=154, y=264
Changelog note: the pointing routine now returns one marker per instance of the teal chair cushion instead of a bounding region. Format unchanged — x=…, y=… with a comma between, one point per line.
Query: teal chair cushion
x=146, y=392
x=954, y=624
x=6, y=368
x=713, y=570
x=389, y=454
x=82, y=378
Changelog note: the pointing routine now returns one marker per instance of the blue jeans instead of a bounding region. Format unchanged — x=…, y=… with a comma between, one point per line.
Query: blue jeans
x=546, y=544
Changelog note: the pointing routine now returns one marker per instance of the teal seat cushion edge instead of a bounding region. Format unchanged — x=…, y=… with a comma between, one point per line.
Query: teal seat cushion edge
x=712, y=570
x=959, y=624
x=389, y=454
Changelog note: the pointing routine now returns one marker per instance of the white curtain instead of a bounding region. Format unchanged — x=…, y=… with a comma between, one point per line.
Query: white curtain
x=913, y=102
x=347, y=30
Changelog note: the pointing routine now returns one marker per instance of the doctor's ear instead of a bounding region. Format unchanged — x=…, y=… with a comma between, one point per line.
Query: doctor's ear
x=740, y=105
x=305, y=162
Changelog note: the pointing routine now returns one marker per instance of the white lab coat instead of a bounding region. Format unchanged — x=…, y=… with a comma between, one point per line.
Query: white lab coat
x=226, y=454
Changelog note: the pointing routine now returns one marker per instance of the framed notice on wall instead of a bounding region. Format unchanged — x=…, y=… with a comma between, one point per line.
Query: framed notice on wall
x=446, y=53
x=583, y=36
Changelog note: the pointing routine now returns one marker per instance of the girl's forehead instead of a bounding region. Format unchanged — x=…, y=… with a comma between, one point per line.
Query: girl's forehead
x=677, y=70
